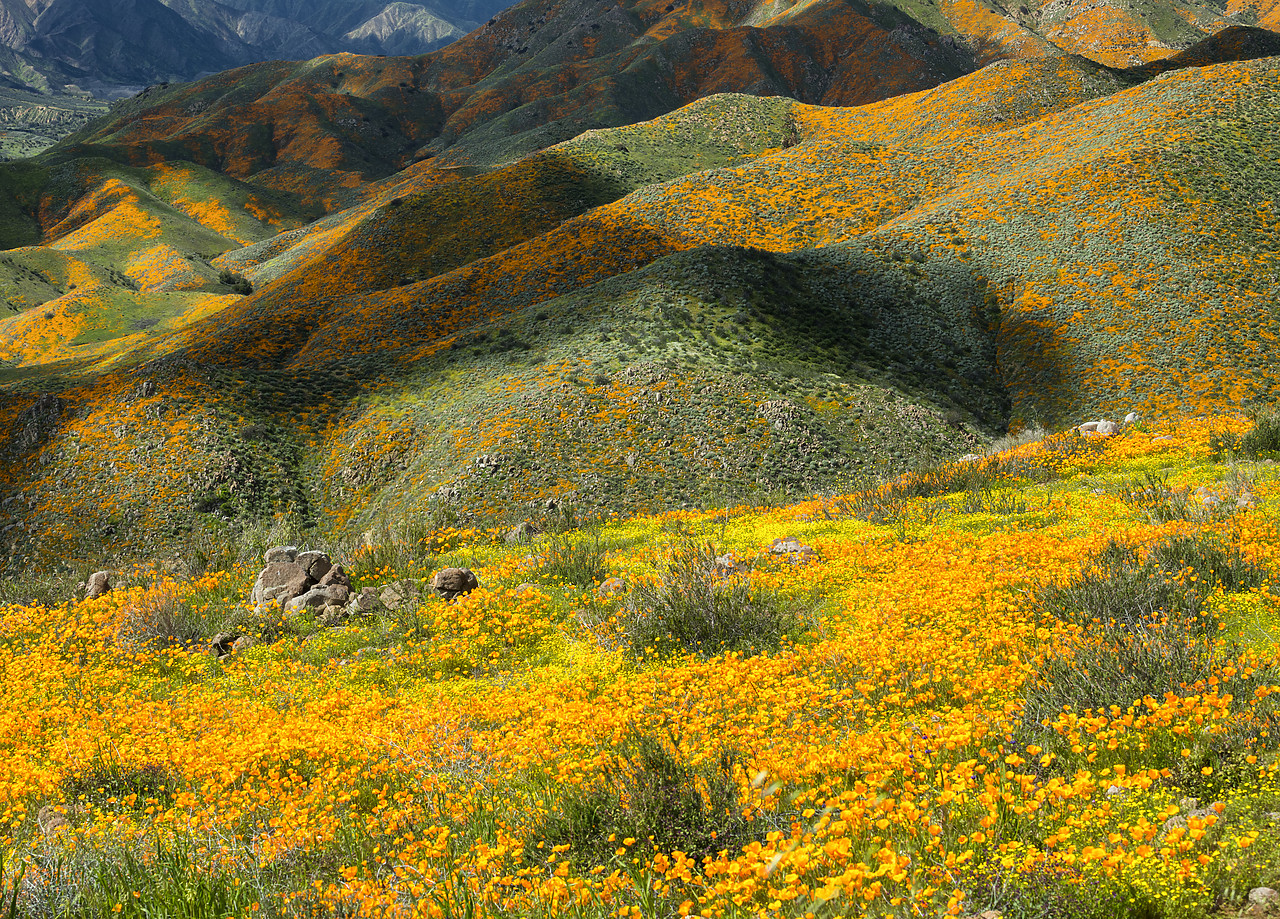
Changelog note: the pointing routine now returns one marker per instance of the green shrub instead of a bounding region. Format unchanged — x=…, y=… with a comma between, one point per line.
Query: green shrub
x=163, y=621
x=1174, y=579
x=121, y=882
x=648, y=794
x=888, y=502
x=695, y=607
x=1261, y=441
x=237, y=282
x=109, y=785
x=1144, y=628
x=566, y=560
x=1152, y=494
x=1118, y=663
x=984, y=499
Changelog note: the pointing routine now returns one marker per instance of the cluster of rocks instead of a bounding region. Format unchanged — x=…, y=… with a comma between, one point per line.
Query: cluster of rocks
x=1215, y=501
x=299, y=580
x=792, y=550
x=1104, y=427
x=295, y=582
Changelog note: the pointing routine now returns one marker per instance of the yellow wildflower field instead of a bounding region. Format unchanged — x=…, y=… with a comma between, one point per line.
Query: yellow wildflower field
x=1043, y=683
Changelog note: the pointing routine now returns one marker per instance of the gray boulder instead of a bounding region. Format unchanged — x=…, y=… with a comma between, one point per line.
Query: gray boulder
x=792, y=549
x=99, y=583
x=320, y=597
x=332, y=616
x=280, y=581
x=336, y=576
x=521, y=534
x=1108, y=428
x=450, y=583
x=397, y=594
x=223, y=643
x=280, y=554
x=316, y=564
x=365, y=603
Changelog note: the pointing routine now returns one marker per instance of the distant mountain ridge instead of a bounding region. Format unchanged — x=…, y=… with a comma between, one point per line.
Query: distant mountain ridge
x=110, y=46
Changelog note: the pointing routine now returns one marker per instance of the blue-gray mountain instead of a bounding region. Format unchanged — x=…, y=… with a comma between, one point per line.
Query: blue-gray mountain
x=113, y=47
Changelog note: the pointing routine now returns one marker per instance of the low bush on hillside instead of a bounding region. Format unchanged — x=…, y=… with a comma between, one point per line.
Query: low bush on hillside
x=695, y=606
x=650, y=798
x=163, y=620
x=237, y=282
x=167, y=880
x=1118, y=585
x=108, y=784
x=1052, y=459
x=566, y=559
x=1262, y=440
x=1143, y=632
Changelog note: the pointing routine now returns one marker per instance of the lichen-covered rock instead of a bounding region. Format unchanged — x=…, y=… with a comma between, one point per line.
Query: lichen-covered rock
x=793, y=549
x=611, y=587
x=336, y=576
x=365, y=603
x=223, y=643
x=397, y=594
x=320, y=596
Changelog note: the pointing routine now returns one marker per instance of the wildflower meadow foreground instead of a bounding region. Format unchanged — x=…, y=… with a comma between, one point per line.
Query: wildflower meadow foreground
x=1043, y=683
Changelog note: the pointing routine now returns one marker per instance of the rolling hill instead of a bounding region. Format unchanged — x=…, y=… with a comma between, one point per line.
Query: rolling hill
x=525, y=273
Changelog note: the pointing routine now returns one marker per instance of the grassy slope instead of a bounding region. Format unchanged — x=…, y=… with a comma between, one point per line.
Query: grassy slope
x=449, y=321
x=456, y=314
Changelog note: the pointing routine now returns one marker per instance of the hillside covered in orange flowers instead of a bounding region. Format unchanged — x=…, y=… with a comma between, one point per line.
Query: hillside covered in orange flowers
x=625, y=259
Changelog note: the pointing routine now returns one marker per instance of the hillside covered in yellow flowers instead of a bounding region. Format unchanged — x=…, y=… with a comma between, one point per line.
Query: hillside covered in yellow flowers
x=644, y=414
x=1043, y=683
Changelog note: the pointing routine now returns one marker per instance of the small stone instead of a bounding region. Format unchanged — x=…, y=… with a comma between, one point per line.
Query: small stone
x=1089, y=427
x=332, y=616
x=243, y=643
x=99, y=583
x=611, y=587
x=1108, y=428
x=223, y=643
x=51, y=820
x=365, y=603
x=970, y=458
x=1131, y=418
x=521, y=534
x=1264, y=896
x=280, y=554
x=794, y=549
x=527, y=589
x=397, y=594
x=451, y=583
